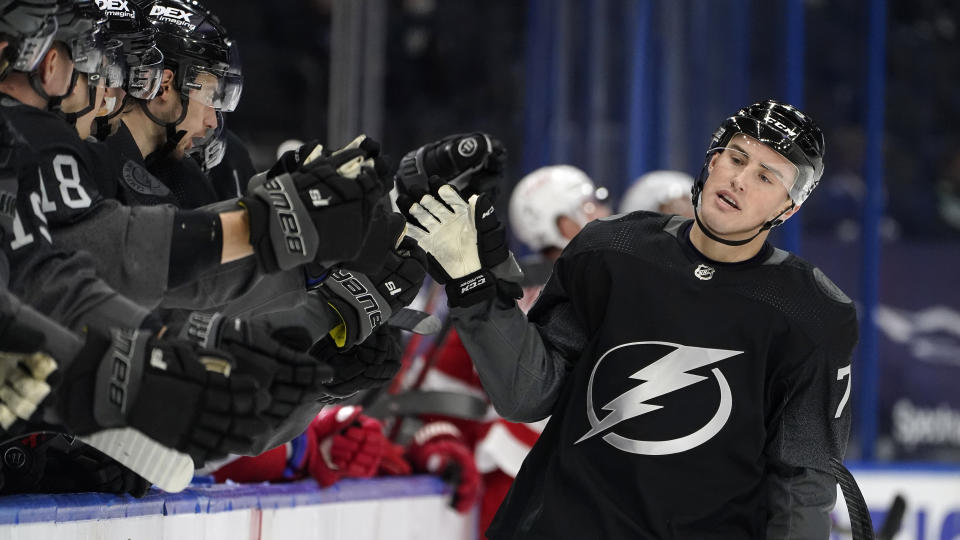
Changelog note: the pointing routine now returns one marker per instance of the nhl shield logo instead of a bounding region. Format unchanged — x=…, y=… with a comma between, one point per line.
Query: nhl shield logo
x=704, y=272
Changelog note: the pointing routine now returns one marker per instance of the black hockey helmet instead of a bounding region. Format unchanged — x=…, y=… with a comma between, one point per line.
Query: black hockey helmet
x=203, y=59
x=137, y=64
x=194, y=43
x=786, y=130
x=78, y=26
x=30, y=28
x=782, y=127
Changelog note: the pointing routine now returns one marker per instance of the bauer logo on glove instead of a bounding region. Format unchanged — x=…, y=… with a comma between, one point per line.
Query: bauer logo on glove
x=364, y=299
x=285, y=216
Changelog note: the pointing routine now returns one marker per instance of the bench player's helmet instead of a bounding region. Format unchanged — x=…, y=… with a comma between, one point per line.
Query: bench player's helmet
x=203, y=58
x=29, y=28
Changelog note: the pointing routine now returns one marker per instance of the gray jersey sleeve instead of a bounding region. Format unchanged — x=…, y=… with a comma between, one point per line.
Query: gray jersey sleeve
x=130, y=247
x=800, y=504
x=58, y=342
x=523, y=362
x=63, y=286
x=814, y=427
x=134, y=258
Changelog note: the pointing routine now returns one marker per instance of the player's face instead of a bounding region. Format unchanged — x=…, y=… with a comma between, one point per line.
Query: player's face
x=200, y=116
x=746, y=187
x=57, y=70
x=79, y=99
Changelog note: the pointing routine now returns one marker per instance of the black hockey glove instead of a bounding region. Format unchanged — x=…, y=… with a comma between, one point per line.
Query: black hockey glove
x=276, y=358
x=49, y=462
x=370, y=364
x=320, y=212
x=473, y=163
x=365, y=303
x=466, y=242
x=171, y=390
x=292, y=160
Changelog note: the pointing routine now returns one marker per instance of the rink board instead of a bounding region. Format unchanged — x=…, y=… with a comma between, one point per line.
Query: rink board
x=932, y=495
x=399, y=508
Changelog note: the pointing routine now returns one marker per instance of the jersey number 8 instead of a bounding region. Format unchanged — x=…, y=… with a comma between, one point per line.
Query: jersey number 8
x=68, y=174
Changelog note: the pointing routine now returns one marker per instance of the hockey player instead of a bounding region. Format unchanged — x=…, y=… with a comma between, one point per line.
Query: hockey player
x=547, y=208
x=696, y=378
x=225, y=160
x=167, y=247
x=666, y=192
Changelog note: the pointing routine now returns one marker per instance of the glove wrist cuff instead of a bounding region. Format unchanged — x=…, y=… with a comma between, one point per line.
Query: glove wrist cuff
x=436, y=430
x=471, y=289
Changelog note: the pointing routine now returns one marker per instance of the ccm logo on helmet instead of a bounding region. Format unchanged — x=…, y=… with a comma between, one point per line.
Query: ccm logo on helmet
x=170, y=13
x=364, y=298
x=289, y=225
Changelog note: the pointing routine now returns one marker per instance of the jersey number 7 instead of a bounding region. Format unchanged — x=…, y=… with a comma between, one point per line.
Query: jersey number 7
x=843, y=373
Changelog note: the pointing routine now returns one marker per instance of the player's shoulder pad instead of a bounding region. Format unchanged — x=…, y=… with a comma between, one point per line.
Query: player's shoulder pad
x=828, y=287
x=620, y=232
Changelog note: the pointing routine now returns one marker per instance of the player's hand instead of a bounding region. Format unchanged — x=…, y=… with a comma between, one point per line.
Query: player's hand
x=49, y=462
x=318, y=213
x=364, y=303
x=464, y=239
x=171, y=390
x=394, y=462
x=275, y=357
x=347, y=444
x=437, y=448
x=370, y=364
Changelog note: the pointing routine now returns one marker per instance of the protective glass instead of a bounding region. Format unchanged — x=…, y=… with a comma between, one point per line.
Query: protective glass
x=143, y=80
x=87, y=53
x=219, y=89
x=33, y=48
x=737, y=159
x=112, y=70
x=210, y=149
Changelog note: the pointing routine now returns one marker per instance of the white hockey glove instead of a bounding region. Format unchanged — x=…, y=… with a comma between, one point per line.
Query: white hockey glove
x=465, y=241
x=24, y=385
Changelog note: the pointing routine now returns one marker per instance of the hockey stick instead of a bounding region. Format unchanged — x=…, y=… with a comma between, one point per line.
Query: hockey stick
x=164, y=467
x=167, y=468
x=418, y=322
x=891, y=525
x=861, y=526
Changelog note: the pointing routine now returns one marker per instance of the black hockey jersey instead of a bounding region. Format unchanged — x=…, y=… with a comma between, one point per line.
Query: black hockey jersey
x=61, y=285
x=125, y=168
x=231, y=176
x=684, y=385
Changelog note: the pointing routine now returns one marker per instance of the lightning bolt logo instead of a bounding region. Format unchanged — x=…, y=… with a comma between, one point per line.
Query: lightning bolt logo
x=666, y=375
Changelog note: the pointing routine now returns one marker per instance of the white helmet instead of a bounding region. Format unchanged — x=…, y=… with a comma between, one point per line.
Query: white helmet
x=655, y=188
x=544, y=195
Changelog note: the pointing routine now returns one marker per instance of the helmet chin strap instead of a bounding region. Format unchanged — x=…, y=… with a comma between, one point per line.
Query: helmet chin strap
x=53, y=102
x=91, y=103
x=103, y=122
x=173, y=136
x=716, y=238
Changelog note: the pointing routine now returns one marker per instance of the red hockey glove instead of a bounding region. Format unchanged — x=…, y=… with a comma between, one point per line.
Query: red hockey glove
x=394, y=463
x=347, y=444
x=438, y=448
